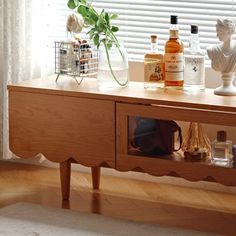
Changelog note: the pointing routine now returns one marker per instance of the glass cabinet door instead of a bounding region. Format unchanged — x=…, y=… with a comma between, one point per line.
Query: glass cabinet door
x=148, y=140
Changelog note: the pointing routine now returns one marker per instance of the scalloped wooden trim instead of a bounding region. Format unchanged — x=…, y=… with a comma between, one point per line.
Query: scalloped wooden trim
x=95, y=163
x=228, y=179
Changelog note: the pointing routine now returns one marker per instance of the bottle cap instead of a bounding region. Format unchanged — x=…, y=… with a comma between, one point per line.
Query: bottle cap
x=153, y=38
x=174, y=20
x=194, y=29
x=221, y=136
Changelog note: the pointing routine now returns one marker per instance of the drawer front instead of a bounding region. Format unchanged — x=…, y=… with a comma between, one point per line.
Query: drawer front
x=62, y=127
x=128, y=157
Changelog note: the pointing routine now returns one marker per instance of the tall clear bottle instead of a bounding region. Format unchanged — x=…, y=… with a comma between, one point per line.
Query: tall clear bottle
x=154, y=66
x=174, y=57
x=194, y=71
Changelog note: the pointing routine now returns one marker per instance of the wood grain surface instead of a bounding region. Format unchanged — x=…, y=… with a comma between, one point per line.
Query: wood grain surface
x=62, y=127
x=133, y=93
x=129, y=199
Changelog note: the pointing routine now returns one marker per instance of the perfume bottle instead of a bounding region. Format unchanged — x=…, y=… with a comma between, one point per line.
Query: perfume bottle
x=221, y=148
x=234, y=155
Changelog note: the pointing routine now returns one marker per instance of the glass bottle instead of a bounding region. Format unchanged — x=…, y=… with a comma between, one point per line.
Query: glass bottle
x=154, y=67
x=234, y=156
x=194, y=71
x=196, y=145
x=174, y=58
x=221, y=148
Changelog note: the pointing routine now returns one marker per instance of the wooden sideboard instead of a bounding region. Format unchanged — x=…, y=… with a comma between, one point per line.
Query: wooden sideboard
x=71, y=123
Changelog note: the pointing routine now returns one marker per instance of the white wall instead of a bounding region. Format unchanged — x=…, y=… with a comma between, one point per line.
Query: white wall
x=136, y=73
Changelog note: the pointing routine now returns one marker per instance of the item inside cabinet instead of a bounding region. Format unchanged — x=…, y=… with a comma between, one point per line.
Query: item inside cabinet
x=153, y=137
x=196, y=145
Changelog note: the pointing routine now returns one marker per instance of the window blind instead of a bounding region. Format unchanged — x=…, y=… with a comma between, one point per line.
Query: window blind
x=137, y=20
x=140, y=18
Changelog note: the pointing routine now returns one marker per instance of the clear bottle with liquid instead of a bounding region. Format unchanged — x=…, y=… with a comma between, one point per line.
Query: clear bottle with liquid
x=174, y=57
x=194, y=71
x=154, y=67
x=221, y=148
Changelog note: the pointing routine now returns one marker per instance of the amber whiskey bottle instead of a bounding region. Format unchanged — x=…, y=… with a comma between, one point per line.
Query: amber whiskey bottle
x=174, y=57
x=154, y=71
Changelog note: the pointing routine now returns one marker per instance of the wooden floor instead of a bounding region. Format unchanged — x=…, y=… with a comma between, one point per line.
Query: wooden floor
x=203, y=210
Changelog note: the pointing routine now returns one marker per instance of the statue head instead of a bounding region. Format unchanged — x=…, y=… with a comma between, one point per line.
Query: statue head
x=225, y=28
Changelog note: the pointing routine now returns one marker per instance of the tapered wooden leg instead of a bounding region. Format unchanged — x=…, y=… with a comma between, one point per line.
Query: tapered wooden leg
x=65, y=172
x=96, y=202
x=96, y=172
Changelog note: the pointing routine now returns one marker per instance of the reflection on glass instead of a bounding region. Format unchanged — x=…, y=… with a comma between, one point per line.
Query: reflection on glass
x=224, y=164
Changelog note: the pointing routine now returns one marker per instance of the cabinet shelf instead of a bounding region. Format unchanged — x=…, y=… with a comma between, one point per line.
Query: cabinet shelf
x=179, y=157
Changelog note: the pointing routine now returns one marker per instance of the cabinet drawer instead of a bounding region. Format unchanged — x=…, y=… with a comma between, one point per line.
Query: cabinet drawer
x=174, y=164
x=62, y=127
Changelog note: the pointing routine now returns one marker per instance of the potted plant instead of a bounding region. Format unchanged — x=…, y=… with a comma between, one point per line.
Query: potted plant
x=102, y=33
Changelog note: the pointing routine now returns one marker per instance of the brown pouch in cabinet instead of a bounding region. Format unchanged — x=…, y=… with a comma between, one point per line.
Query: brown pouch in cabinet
x=156, y=137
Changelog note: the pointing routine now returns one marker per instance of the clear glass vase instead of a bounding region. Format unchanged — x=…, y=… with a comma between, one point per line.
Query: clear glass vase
x=113, y=67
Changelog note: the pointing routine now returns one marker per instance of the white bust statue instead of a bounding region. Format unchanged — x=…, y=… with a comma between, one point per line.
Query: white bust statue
x=223, y=56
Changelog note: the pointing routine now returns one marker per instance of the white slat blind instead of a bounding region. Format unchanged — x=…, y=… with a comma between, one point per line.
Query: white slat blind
x=140, y=18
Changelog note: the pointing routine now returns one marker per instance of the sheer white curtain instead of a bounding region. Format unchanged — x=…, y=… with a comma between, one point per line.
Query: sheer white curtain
x=23, y=47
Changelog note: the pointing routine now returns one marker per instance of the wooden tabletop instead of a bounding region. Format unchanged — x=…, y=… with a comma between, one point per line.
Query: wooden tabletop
x=133, y=93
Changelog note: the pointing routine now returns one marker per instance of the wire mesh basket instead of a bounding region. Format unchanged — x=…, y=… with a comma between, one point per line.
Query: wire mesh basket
x=78, y=60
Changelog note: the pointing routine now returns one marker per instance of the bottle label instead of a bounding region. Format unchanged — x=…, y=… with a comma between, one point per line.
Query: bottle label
x=174, y=34
x=174, y=66
x=219, y=153
x=194, y=71
x=154, y=71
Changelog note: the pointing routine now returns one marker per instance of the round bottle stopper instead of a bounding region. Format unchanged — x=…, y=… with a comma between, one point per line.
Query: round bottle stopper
x=153, y=38
x=221, y=136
